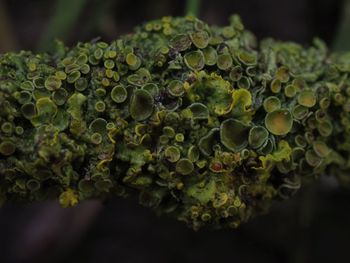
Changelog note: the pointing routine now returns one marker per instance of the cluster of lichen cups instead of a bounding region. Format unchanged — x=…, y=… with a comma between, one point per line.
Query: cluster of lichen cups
x=195, y=120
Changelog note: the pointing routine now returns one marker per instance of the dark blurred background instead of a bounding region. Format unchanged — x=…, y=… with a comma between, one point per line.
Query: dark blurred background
x=312, y=227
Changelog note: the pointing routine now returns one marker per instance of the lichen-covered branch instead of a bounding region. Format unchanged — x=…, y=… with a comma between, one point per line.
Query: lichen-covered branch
x=198, y=121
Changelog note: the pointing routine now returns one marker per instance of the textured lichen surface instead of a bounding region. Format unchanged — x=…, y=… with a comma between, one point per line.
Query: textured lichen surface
x=198, y=121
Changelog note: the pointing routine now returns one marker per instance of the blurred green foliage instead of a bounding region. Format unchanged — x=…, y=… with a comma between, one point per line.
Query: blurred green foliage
x=342, y=38
x=65, y=15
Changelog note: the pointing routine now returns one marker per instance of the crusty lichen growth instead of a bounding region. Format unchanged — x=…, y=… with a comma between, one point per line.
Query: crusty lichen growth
x=196, y=120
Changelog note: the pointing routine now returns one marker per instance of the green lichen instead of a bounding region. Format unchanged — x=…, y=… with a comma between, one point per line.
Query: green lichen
x=200, y=122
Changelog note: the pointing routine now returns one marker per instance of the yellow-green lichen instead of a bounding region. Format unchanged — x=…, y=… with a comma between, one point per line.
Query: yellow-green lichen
x=195, y=120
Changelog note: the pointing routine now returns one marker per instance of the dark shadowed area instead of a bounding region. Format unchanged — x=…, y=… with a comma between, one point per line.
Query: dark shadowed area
x=312, y=227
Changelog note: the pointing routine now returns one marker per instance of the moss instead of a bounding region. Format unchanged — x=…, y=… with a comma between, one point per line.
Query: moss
x=196, y=120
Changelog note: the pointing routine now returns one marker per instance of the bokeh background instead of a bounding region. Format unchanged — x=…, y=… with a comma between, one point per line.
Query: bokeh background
x=312, y=227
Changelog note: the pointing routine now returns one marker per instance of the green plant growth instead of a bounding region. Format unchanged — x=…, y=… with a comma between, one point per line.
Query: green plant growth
x=200, y=122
